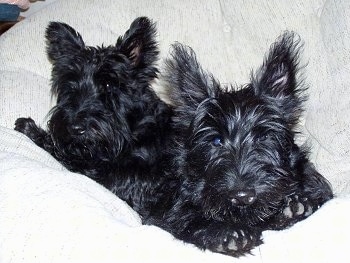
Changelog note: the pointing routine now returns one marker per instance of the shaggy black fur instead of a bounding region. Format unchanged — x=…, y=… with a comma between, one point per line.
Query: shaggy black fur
x=240, y=171
x=215, y=169
x=108, y=123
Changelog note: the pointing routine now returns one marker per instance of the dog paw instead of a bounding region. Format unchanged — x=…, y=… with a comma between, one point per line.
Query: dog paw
x=28, y=127
x=296, y=209
x=24, y=125
x=236, y=243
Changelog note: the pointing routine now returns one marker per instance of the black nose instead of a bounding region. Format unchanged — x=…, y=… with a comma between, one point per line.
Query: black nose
x=243, y=197
x=77, y=129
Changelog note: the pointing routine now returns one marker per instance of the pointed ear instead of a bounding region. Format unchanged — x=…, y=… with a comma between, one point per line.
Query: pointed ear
x=187, y=83
x=139, y=44
x=276, y=81
x=62, y=40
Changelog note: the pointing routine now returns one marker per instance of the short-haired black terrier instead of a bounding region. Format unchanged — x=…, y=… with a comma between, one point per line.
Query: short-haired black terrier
x=235, y=155
x=108, y=123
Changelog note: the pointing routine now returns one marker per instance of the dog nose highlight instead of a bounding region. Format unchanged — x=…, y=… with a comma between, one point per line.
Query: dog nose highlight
x=243, y=197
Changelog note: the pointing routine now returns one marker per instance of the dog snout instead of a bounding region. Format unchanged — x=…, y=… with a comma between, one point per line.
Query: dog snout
x=243, y=197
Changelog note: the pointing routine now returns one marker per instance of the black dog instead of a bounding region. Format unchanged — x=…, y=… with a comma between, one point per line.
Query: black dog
x=108, y=123
x=217, y=171
x=240, y=171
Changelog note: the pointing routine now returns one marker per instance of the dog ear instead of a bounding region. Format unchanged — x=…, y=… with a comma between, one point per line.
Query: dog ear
x=276, y=80
x=187, y=83
x=139, y=45
x=62, y=40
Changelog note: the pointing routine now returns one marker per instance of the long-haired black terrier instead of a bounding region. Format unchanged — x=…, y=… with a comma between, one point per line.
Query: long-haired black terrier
x=215, y=169
x=240, y=171
x=108, y=123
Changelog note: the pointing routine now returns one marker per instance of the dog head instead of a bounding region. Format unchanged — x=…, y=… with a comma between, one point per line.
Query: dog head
x=98, y=89
x=235, y=147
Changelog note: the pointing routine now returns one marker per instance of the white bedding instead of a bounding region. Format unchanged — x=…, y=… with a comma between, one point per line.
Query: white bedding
x=48, y=214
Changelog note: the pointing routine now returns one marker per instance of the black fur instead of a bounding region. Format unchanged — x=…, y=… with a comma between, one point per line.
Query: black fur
x=240, y=171
x=215, y=169
x=108, y=123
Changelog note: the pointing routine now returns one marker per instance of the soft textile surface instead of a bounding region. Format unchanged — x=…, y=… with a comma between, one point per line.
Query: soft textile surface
x=48, y=214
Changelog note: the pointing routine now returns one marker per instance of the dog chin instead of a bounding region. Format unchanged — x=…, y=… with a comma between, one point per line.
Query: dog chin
x=253, y=215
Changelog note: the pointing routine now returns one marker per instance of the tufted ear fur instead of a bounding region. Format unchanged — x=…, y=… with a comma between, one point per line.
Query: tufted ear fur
x=188, y=85
x=62, y=40
x=139, y=45
x=276, y=80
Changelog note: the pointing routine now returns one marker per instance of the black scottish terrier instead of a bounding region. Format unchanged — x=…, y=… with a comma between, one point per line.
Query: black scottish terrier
x=215, y=169
x=240, y=171
x=107, y=121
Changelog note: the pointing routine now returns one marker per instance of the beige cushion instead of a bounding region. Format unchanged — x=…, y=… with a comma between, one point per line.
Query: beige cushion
x=230, y=39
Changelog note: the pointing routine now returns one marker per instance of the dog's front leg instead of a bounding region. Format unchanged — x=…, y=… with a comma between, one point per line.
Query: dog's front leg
x=221, y=237
x=227, y=238
x=40, y=137
x=313, y=191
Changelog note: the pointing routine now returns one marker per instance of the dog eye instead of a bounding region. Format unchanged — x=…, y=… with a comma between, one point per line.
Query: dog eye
x=217, y=141
x=106, y=87
x=264, y=137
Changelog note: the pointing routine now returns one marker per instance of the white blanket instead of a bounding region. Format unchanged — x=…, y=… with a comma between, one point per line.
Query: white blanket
x=48, y=214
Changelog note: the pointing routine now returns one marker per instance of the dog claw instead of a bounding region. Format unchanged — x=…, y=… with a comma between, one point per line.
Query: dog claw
x=296, y=208
x=232, y=245
x=308, y=211
x=300, y=209
x=299, y=206
x=237, y=243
